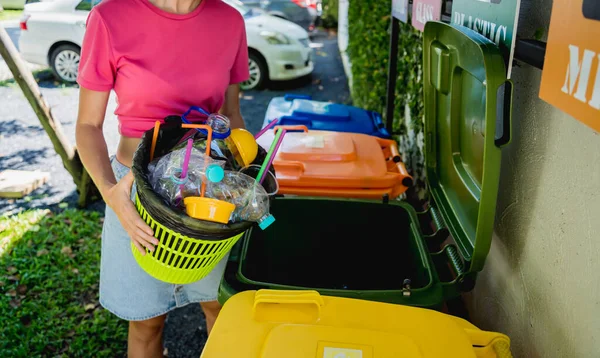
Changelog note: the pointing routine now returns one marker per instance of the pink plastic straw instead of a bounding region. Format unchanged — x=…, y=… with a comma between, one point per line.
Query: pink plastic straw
x=186, y=159
x=269, y=126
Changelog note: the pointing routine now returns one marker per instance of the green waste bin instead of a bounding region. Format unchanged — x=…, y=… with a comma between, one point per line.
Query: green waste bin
x=380, y=250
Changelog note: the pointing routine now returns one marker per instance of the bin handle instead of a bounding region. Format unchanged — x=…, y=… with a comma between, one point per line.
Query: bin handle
x=488, y=343
x=193, y=108
x=503, y=128
x=298, y=127
x=263, y=297
x=407, y=180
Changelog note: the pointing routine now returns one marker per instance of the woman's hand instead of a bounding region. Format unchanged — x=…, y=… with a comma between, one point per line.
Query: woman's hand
x=118, y=198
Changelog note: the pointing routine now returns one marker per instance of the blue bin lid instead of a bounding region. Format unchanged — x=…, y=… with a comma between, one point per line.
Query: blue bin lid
x=320, y=110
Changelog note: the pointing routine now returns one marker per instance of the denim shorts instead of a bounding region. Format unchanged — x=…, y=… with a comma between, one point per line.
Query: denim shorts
x=127, y=290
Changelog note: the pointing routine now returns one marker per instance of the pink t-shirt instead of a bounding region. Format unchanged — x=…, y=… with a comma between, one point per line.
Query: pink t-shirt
x=159, y=63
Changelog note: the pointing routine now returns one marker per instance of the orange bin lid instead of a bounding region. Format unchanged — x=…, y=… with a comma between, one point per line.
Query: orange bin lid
x=327, y=163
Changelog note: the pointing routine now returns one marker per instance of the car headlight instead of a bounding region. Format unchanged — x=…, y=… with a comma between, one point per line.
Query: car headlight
x=275, y=38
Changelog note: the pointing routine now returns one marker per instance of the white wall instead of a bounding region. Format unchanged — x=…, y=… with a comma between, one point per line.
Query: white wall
x=541, y=282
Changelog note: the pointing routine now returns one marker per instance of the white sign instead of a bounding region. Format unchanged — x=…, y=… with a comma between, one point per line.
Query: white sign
x=400, y=10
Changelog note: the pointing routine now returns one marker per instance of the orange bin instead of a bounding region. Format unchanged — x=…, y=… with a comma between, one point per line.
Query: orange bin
x=337, y=164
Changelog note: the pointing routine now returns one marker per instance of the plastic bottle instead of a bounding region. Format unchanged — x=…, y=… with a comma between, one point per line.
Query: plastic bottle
x=165, y=175
x=250, y=198
x=221, y=130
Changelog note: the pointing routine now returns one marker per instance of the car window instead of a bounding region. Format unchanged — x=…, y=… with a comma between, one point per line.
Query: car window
x=87, y=5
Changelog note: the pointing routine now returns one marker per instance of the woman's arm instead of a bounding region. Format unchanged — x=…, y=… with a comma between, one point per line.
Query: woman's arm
x=231, y=107
x=91, y=146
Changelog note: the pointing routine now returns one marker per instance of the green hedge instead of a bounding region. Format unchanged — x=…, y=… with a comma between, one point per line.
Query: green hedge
x=329, y=19
x=369, y=30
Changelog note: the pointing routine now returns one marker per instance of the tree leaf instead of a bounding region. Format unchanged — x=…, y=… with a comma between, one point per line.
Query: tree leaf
x=42, y=252
x=22, y=289
x=14, y=303
x=66, y=250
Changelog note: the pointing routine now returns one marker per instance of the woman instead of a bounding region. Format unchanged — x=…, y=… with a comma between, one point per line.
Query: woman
x=160, y=57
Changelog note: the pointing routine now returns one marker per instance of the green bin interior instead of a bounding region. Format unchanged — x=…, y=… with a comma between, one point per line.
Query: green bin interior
x=327, y=244
x=339, y=247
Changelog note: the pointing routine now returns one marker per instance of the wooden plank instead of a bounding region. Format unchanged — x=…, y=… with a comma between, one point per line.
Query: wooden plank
x=18, y=183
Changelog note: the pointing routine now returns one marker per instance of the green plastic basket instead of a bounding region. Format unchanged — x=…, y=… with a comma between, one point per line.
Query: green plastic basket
x=177, y=258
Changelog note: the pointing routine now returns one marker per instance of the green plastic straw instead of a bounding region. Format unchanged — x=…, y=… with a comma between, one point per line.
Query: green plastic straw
x=267, y=162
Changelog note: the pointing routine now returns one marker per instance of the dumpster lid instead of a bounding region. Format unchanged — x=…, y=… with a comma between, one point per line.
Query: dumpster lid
x=467, y=120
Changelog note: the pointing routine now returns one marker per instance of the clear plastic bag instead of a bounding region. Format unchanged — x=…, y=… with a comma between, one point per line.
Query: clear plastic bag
x=250, y=198
x=165, y=175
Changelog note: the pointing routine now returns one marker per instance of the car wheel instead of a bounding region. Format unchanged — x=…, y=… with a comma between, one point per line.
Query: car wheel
x=64, y=62
x=259, y=73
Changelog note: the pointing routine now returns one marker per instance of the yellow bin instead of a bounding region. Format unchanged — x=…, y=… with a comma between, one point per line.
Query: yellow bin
x=304, y=324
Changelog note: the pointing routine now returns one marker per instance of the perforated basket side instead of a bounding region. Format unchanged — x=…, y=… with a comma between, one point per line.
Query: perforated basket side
x=178, y=258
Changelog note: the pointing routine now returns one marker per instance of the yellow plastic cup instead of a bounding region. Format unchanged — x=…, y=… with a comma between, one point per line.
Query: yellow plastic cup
x=208, y=209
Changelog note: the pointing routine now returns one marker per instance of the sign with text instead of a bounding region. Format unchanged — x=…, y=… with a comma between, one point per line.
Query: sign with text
x=495, y=19
x=571, y=76
x=400, y=10
x=425, y=10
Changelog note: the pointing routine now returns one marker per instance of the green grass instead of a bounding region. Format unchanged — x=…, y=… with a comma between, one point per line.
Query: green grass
x=10, y=14
x=39, y=76
x=49, y=272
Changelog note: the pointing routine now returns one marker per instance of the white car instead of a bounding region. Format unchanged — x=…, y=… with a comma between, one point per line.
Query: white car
x=52, y=33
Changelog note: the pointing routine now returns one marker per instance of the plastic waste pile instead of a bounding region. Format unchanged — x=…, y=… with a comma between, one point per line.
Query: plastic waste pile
x=215, y=187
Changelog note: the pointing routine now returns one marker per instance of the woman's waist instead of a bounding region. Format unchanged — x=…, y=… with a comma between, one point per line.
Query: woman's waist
x=127, y=146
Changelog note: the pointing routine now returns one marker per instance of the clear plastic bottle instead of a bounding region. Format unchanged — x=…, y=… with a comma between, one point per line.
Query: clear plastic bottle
x=221, y=130
x=165, y=175
x=250, y=198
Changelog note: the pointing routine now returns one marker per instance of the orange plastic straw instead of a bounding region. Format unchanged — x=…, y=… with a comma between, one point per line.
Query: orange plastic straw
x=154, y=139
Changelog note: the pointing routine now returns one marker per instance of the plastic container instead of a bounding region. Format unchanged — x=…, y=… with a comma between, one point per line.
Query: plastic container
x=304, y=324
x=325, y=116
x=188, y=248
x=332, y=164
x=208, y=209
x=384, y=250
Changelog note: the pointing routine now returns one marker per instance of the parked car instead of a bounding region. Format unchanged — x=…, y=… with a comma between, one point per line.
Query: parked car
x=52, y=33
x=302, y=12
x=12, y=4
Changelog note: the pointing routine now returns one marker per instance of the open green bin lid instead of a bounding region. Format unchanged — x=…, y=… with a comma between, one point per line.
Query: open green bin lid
x=467, y=120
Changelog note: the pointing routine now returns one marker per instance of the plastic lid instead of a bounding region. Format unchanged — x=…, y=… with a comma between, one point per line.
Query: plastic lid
x=466, y=120
x=214, y=173
x=266, y=221
x=315, y=110
x=244, y=144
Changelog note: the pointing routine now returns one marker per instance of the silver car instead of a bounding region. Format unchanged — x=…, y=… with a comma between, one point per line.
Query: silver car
x=301, y=12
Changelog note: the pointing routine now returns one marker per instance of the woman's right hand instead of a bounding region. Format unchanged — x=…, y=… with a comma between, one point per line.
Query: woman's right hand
x=118, y=198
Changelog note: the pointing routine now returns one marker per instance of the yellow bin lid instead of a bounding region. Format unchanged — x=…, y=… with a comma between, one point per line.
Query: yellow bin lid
x=304, y=324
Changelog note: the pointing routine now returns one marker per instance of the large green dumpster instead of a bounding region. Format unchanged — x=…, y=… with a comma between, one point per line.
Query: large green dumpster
x=379, y=250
